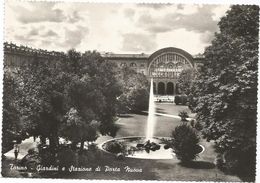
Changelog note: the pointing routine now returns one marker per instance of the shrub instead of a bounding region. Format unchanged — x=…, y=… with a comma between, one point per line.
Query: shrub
x=184, y=99
x=66, y=157
x=31, y=151
x=31, y=160
x=115, y=147
x=48, y=157
x=92, y=156
x=177, y=99
x=183, y=115
x=181, y=99
x=185, y=143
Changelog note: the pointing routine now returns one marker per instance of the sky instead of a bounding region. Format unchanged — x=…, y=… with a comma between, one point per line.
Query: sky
x=111, y=27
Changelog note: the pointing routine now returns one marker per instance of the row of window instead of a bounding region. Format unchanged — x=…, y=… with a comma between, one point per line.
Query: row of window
x=131, y=65
x=164, y=74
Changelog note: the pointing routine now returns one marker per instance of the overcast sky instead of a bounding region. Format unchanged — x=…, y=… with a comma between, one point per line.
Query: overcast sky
x=118, y=28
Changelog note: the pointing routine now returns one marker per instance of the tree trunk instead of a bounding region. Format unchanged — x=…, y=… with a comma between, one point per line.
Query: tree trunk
x=54, y=142
x=82, y=145
x=43, y=140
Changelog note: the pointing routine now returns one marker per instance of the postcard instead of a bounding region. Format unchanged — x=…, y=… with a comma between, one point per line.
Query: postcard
x=130, y=91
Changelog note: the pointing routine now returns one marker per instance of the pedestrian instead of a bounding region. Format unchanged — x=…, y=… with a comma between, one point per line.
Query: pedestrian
x=16, y=151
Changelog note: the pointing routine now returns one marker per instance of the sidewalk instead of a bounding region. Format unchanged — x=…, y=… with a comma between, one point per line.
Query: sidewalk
x=172, y=116
x=23, y=148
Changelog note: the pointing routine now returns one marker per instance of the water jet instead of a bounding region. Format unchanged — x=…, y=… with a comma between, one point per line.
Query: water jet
x=151, y=115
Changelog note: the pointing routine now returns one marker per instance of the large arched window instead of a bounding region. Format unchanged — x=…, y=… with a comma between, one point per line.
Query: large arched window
x=167, y=65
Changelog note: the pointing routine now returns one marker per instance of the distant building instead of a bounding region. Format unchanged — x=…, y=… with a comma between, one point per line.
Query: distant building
x=164, y=66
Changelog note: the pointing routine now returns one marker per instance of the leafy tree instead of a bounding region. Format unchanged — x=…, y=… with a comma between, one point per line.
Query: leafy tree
x=185, y=80
x=105, y=90
x=135, y=91
x=11, y=127
x=83, y=99
x=77, y=130
x=225, y=94
x=138, y=99
x=42, y=101
x=74, y=62
x=91, y=95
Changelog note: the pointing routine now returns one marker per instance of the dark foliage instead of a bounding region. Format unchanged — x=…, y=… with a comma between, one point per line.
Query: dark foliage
x=115, y=147
x=224, y=96
x=135, y=91
x=181, y=99
x=184, y=115
x=185, y=142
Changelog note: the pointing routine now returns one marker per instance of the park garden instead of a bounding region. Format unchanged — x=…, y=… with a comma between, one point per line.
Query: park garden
x=72, y=109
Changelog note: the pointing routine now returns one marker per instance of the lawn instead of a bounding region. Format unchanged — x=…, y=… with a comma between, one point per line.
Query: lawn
x=203, y=169
x=134, y=125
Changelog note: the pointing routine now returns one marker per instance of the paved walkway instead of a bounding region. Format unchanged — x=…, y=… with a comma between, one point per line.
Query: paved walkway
x=29, y=143
x=169, y=115
x=23, y=148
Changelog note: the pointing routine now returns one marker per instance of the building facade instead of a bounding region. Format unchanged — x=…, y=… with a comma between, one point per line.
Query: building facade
x=164, y=66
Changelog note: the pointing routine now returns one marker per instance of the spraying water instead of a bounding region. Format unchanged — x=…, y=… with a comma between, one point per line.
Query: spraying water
x=151, y=117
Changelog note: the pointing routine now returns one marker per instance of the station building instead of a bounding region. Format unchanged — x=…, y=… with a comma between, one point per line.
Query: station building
x=164, y=66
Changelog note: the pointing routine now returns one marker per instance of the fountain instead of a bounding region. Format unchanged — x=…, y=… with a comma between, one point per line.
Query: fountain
x=148, y=147
x=151, y=115
x=149, y=141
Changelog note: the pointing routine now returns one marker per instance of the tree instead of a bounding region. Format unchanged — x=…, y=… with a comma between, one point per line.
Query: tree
x=91, y=95
x=74, y=62
x=77, y=130
x=11, y=119
x=185, y=80
x=135, y=91
x=225, y=94
x=74, y=98
x=105, y=90
x=41, y=103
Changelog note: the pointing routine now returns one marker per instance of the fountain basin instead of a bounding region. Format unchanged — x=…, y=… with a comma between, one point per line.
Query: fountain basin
x=136, y=147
